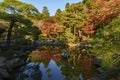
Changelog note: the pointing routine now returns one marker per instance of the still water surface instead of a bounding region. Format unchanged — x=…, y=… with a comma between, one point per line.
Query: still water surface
x=51, y=66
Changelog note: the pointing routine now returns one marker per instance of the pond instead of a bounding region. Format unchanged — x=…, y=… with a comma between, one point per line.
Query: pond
x=48, y=64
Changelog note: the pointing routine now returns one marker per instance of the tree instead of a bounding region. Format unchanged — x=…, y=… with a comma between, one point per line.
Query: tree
x=45, y=13
x=67, y=6
x=88, y=3
x=100, y=15
x=73, y=18
x=50, y=27
x=106, y=49
x=58, y=14
x=31, y=33
x=2, y=28
x=14, y=11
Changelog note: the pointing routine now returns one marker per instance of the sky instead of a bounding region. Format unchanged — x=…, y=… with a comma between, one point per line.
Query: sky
x=52, y=5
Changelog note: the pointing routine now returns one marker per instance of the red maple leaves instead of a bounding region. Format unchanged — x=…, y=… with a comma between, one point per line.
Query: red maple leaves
x=104, y=13
x=50, y=27
x=88, y=29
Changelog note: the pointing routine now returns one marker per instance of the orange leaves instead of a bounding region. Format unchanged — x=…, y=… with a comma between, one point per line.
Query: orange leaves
x=87, y=67
x=102, y=12
x=45, y=55
x=88, y=29
x=50, y=26
x=108, y=8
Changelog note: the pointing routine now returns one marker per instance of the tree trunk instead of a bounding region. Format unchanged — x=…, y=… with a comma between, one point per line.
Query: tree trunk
x=12, y=23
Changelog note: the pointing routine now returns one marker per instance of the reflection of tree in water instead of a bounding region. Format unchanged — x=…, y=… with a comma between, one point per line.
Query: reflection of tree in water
x=45, y=55
x=87, y=67
x=71, y=68
x=76, y=65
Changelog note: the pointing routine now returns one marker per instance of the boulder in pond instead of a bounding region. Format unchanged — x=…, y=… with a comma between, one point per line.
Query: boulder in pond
x=65, y=54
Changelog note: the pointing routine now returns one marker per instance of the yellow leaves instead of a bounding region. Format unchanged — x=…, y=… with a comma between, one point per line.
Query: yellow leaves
x=85, y=38
x=43, y=34
x=29, y=37
x=105, y=33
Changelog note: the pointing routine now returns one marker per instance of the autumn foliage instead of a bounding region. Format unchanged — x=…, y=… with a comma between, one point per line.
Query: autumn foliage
x=45, y=55
x=102, y=11
x=50, y=27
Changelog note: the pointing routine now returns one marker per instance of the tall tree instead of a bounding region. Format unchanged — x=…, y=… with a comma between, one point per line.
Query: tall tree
x=45, y=13
x=67, y=6
x=73, y=16
x=58, y=14
x=15, y=11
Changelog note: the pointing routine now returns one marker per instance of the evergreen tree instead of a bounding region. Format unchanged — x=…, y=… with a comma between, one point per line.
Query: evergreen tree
x=73, y=16
x=45, y=13
x=15, y=11
x=58, y=14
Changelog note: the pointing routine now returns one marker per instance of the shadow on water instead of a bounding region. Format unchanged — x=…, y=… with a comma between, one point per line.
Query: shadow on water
x=48, y=64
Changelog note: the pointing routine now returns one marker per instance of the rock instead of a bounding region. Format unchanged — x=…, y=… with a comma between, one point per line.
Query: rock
x=29, y=48
x=13, y=63
x=57, y=43
x=65, y=54
x=100, y=70
x=30, y=71
x=7, y=65
x=3, y=70
x=2, y=61
x=4, y=73
x=97, y=62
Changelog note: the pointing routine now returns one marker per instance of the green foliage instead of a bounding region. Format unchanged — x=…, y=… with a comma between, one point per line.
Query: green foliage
x=109, y=56
x=108, y=53
x=45, y=13
x=109, y=33
x=67, y=6
x=58, y=14
x=106, y=47
x=73, y=17
x=31, y=33
x=17, y=14
x=16, y=6
x=101, y=24
x=69, y=36
x=87, y=2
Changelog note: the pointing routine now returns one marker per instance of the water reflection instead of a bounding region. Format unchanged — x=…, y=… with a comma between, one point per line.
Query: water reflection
x=49, y=65
x=51, y=72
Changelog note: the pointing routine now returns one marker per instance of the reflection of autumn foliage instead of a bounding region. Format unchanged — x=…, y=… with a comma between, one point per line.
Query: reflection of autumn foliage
x=87, y=67
x=102, y=11
x=45, y=55
x=50, y=27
